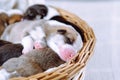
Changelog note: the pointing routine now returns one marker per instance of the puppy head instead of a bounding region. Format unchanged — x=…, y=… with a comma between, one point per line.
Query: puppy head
x=63, y=33
x=34, y=11
x=62, y=43
x=64, y=40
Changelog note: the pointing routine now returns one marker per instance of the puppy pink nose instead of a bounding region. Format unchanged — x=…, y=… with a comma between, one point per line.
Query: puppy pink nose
x=38, y=45
x=66, y=52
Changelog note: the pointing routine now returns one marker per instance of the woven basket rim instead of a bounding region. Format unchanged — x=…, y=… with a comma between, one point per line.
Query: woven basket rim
x=77, y=63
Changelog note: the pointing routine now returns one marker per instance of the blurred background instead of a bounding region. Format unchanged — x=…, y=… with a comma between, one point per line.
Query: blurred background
x=104, y=17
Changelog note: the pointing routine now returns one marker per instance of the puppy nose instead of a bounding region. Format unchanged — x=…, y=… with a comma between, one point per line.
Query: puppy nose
x=66, y=52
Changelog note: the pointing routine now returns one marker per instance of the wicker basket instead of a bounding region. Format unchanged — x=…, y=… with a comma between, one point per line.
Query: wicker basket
x=74, y=69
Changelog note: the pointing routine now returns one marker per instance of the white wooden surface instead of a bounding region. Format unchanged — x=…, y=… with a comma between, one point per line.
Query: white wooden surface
x=104, y=18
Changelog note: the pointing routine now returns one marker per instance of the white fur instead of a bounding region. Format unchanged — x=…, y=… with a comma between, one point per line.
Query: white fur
x=51, y=12
x=37, y=33
x=38, y=17
x=20, y=4
x=7, y=4
x=55, y=41
x=14, y=11
x=4, y=75
x=27, y=43
x=52, y=69
x=78, y=43
x=54, y=23
x=3, y=11
x=32, y=2
x=11, y=11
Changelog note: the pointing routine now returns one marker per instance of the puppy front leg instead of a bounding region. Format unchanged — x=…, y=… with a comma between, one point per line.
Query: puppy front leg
x=27, y=43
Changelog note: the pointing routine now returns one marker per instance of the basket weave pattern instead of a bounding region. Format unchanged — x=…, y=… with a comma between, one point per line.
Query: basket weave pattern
x=73, y=70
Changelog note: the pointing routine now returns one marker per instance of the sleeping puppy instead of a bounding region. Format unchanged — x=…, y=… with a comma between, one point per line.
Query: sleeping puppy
x=62, y=38
x=39, y=11
x=9, y=50
x=31, y=63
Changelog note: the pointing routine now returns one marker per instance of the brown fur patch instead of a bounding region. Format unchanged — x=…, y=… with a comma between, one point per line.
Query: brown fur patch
x=15, y=18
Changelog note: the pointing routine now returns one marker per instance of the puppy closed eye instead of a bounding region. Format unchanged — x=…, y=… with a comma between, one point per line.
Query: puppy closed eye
x=61, y=31
x=69, y=40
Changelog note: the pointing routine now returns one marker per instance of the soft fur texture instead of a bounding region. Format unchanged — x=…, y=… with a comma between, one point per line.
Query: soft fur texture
x=32, y=63
x=35, y=11
x=22, y=29
x=6, y=20
x=9, y=50
x=3, y=42
x=64, y=39
x=15, y=18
